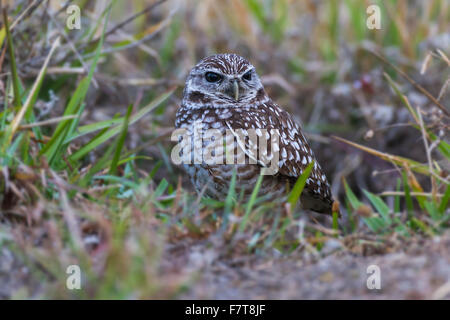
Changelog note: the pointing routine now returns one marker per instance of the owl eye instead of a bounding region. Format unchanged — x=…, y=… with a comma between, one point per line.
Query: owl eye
x=247, y=76
x=212, y=77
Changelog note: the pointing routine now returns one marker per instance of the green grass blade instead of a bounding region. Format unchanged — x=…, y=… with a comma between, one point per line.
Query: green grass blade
x=354, y=202
x=2, y=35
x=401, y=228
x=160, y=189
x=120, y=142
x=443, y=146
x=335, y=221
x=422, y=226
x=432, y=210
x=379, y=205
x=155, y=169
x=119, y=180
x=99, y=165
x=299, y=185
x=376, y=224
x=397, y=197
x=12, y=57
x=32, y=96
x=408, y=198
x=444, y=201
x=92, y=127
x=251, y=203
x=108, y=134
x=402, y=97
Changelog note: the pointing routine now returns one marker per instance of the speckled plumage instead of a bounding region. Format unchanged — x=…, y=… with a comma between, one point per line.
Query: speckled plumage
x=216, y=108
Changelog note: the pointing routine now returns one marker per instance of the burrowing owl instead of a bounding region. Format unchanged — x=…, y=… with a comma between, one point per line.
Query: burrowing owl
x=224, y=92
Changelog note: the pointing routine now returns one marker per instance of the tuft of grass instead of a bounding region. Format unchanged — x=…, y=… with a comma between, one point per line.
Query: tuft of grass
x=430, y=204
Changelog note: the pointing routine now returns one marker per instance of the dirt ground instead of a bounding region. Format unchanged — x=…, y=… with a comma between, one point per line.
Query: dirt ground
x=420, y=271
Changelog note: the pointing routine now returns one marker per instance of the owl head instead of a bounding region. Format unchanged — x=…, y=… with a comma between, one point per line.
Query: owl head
x=222, y=80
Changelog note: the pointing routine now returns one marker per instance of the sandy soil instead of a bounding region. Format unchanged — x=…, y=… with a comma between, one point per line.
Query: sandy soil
x=421, y=271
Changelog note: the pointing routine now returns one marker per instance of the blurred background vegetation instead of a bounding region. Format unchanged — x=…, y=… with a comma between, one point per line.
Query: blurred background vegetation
x=97, y=187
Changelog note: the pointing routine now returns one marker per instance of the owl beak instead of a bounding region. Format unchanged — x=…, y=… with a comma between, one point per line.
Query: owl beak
x=236, y=90
x=232, y=89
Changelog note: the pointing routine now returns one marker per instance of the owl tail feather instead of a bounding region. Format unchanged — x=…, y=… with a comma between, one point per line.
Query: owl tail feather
x=319, y=204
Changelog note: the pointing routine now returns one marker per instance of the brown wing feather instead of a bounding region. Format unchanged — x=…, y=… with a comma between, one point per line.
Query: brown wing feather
x=294, y=151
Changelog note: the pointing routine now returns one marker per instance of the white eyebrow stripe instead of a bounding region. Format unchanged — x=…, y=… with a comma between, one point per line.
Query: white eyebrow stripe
x=247, y=70
x=212, y=69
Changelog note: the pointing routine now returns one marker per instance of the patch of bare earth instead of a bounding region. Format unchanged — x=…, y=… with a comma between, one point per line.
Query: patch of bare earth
x=415, y=268
x=420, y=270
